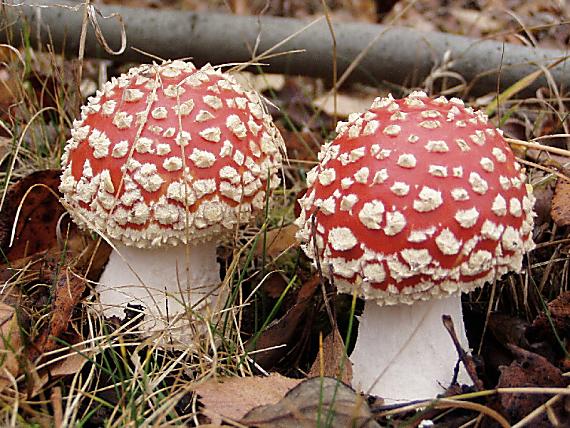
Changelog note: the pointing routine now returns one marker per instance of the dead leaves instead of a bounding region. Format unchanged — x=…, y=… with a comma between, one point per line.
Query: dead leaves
x=560, y=210
x=36, y=199
x=332, y=360
x=10, y=344
x=277, y=401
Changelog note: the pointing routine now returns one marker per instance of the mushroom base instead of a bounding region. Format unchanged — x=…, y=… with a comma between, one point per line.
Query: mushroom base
x=404, y=353
x=166, y=282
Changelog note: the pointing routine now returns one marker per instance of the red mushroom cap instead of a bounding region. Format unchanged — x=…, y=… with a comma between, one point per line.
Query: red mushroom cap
x=415, y=198
x=168, y=154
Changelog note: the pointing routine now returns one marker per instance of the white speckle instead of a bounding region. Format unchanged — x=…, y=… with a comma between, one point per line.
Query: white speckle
x=159, y=113
x=487, y=164
x=430, y=114
x=211, y=134
x=413, y=138
x=499, y=206
x=459, y=194
x=173, y=91
x=143, y=145
x=511, y=240
x=162, y=149
x=421, y=235
x=348, y=201
x=378, y=152
x=458, y=171
x=478, y=184
x=499, y=155
x=169, y=132
x=399, y=115
x=327, y=206
x=239, y=157
x=184, y=109
x=400, y=188
x=327, y=176
x=108, y=107
x=213, y=101
x=436, y=146
x=346, y=182
x=203, y=116
x=120, y=149
x=463, y=145
x=361, y=176
x=382, y=102
x=438, y=170
x=234, y=124
x=380, y=176
x=99, y=142
x=491, y=230
x=173, y=163
x=515, y=207
x=354, y=131
x=447, y=243
x=429, y=200
x=147, y=177
x=467, y=218
x=392, y=130
x=80, y=133
x=505, y=182
x=479, y=261
x=407, y=160
x=478, y=138
x=416, y=259
x=183, y=138
x=204, y=187
x=430, y=124
x=374, y=273
x=342, y=239
x=122, y=120
x=370, y=214
x=395, y=223
x=133, y=95
x=227, y=149
x=516, y=182
x=202, y=158
x=371, y=127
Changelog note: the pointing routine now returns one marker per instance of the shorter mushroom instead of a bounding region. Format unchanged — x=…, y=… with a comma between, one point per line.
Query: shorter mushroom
x=415, y=201
x=165, y=162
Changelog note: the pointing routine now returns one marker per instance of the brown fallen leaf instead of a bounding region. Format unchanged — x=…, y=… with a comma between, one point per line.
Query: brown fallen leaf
x=332, y=360
x=278, y=241
x=528, y=370
x=560, y=210
x=10, y=343
x=69, y=365
x=558, y=318
x=282, y=331
x=38, y=218
x=232, y=397
x=315, y=402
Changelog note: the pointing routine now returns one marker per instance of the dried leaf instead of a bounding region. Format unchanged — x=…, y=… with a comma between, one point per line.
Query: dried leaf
x=38, y=217
x=9, y=346
x=559, y=312
x=72, y=364
x=283, y=330
x=334, y=361
x=277, y=241
x=527, y=370
x=315, y=402
x=233, y=397
x=560, y=210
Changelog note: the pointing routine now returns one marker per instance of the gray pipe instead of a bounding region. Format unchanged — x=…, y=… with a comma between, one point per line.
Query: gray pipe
x=400, y=55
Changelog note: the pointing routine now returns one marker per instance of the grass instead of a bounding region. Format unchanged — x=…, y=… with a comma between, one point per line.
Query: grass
x=102, y=372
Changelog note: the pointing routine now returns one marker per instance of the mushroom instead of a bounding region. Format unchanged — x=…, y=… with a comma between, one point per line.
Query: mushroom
x=165, y=162
x=415, y=201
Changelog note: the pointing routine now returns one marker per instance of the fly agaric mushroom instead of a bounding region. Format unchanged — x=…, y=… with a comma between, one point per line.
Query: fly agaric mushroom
x=164, y=162
x=415, y=201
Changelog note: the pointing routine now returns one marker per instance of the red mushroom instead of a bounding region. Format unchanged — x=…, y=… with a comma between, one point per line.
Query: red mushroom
x=415, y=201
x=165, y=161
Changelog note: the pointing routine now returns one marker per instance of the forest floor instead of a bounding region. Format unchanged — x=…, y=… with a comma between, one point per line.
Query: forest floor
x=63, y=364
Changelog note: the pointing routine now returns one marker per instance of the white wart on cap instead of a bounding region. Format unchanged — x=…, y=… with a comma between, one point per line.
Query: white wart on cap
x=415, y=198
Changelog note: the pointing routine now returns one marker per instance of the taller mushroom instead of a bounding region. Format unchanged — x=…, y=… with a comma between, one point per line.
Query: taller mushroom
x=165, y=161
x=415, y=201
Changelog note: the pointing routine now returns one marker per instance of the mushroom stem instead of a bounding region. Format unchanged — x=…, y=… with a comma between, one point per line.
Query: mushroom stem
x=165, y=281
x=403, y=352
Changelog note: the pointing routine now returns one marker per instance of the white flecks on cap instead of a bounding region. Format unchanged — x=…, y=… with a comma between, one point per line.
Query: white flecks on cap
x=437, y=146
x=448, y=243
x=212, y=134
x=395, y=223
x=361, y=176
x=400, y=188
x=459, y=194
x=467, y=218
x=407, y=160
x=438, y=170
x=370, y=214
x=342, y=239
x=478, y=184
x=499, y=206
x=429, y=200
x=392, y=130
x=327, y=176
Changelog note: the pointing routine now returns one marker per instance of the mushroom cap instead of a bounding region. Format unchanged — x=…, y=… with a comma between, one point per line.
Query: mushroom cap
x=168, y=154
x=416, y=198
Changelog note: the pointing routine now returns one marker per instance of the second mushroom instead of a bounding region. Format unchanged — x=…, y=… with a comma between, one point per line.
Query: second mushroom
x=415, y=201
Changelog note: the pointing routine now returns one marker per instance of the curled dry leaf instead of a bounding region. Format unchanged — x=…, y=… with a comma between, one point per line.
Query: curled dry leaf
x=282, y=331
x=315, y=402
x=38, y=218
x=528, y=370
x=557, y=318
x=277, y=241
x=10, y=343
x=232, y=397
x=560, y=210
x=332, y=360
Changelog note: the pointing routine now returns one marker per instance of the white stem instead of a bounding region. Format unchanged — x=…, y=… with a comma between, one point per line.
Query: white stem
x=165, y=281
x=403, y=352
